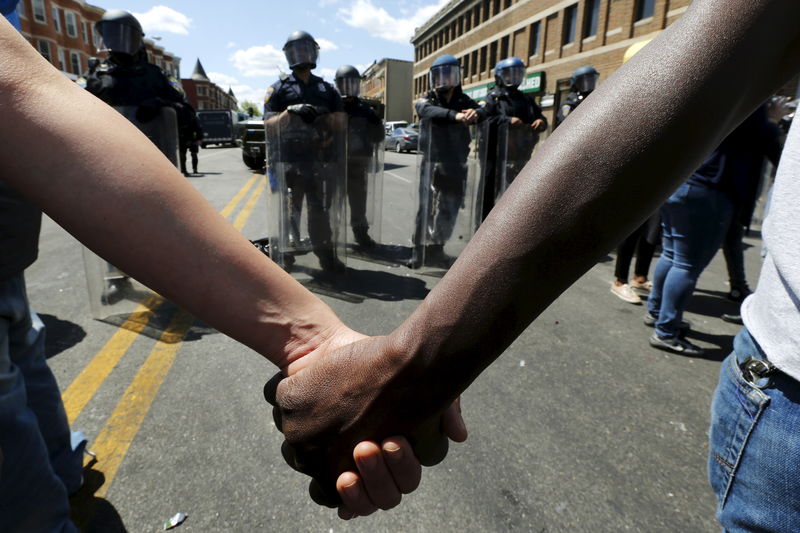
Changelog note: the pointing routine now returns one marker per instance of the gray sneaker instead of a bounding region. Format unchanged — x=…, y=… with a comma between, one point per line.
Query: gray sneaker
x=650, y=321
x=676, y=345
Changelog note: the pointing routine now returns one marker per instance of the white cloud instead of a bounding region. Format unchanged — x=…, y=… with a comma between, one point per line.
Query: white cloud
x=231, y=44
x=325, y=45
x=326, y=73
x=365, y=15
x=259, y=61
x=241, y=90
x=164, y=19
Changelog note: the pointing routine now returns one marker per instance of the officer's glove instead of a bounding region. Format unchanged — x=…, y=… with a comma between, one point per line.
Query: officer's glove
x=307, y=112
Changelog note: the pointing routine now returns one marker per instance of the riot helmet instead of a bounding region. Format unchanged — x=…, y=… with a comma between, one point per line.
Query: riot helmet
x=445, y=73
x=348, y=81
x=509, y=72
x=584, y=79
x=301, y=50
x=119, y=33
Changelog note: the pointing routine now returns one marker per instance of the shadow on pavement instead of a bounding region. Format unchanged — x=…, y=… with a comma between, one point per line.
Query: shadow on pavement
x=60, y=335
x=393, y=166
x=711, y=303
x=90, y=513
x=723, y=344
x=358, y=285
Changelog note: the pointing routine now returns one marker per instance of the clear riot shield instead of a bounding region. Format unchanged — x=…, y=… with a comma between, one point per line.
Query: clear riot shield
x=451, y=165
x=307, y=173
x=514, y=148
x=162, y=130
x=365, y=152
x=114, y=296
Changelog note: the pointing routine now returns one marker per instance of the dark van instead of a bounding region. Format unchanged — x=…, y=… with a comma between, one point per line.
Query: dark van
x=219, y=126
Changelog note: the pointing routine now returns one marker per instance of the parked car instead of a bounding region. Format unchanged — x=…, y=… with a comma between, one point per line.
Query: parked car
x=220, y=126
x=392, y=125
x=402, y=140
x=251, y=141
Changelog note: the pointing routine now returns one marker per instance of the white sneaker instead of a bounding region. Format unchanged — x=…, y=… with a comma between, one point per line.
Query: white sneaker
x=641, y=286
x=625, y=293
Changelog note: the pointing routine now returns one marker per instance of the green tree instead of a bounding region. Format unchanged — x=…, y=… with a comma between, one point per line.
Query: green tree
x=248, y=107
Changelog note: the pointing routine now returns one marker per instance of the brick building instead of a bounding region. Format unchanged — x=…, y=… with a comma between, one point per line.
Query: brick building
x=388, y=81
x=63, y=32
x=552, y=37
x=204, y=94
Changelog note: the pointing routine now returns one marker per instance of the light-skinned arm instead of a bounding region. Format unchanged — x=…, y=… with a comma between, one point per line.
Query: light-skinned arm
x=101, y=179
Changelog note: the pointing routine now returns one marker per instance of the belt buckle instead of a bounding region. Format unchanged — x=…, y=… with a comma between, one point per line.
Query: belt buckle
x=755, y=371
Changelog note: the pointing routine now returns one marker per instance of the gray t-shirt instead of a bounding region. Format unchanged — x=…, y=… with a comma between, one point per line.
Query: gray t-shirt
x=19, y=232
x=772, y=313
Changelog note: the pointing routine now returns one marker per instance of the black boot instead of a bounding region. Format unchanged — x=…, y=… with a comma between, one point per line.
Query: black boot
x=363, y=239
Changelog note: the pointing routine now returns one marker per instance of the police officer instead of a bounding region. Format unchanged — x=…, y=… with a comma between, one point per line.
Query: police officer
x=584, y=80
x=190, y=133
x=307, y=96
x=364, y=132
x=506, y=104
x=447, y=107
x=125, y=78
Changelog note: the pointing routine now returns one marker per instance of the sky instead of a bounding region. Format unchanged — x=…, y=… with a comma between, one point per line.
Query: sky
x=239, y=42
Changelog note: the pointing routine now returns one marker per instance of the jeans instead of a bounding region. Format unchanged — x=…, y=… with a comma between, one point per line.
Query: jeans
x=41, y=460
x=694, y=220
x=754, y=446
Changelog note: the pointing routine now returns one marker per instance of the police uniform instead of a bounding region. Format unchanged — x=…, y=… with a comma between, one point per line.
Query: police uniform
x=360, y=143
x=303, y=177
x=138, y=83
x=189, y=133
x=449, y=148
x=573, y=100
x=502, y=104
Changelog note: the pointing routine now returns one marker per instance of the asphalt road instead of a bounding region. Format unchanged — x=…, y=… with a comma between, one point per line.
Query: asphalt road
x=579, y=426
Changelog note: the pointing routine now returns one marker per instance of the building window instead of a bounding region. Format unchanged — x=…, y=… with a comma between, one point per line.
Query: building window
x=56, y=20
x=591, y=17
x=493, y=55
x=465, y=63
x=570, y=19
x=85, y=29
x=39, y=14
x=71, y=22
x=485, y=10
x=533, y=39
x=495, y=7
x=645, y=9
x=75, y=61
x=44, y=49
x=474, y=63
x=62, y=59
x=506, y=4
x=483, y=60
x=504, y=47
x=95, y=37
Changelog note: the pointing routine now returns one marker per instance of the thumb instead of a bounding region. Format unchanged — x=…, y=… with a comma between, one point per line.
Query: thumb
x=453, y=423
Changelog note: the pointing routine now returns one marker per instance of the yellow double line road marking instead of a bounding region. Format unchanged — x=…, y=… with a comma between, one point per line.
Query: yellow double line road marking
x=112, y=444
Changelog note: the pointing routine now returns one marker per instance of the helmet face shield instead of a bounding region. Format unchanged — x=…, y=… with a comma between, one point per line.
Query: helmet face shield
x=585, y=83
x=119, y=38
x=445, y=76
x=512, y=76
x=301, y=53
x=348, y=86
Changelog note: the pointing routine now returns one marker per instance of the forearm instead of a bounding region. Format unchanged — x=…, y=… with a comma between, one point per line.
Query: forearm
x=101, y=179
x=625, y=149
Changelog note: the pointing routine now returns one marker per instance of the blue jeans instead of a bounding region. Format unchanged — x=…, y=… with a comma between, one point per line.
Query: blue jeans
x=754, y=446
x=41, y=464
x=694, y=221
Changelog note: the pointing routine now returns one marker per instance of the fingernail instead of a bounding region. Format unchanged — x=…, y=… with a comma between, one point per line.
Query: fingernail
x=394, y=450
x=369, y=461
x=353, y=489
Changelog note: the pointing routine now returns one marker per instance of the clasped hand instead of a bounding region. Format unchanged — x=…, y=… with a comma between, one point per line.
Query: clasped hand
x=340, y=408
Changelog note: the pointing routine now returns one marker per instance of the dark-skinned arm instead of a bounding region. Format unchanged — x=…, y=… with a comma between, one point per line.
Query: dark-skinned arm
x=597, y=177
